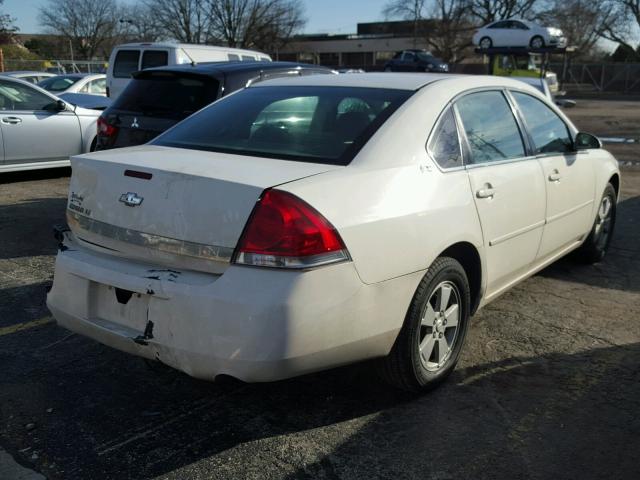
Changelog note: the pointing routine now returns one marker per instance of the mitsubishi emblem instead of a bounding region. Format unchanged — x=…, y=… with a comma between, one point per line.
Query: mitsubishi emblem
x=135, y=123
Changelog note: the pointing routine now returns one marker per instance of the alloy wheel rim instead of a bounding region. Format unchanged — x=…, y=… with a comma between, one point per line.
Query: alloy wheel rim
x=536, y=43
x=439, y=326
x=603, y=223
x=485, y=43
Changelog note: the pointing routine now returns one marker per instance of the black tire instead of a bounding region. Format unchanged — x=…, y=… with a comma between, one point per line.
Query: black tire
x=597, y=243
x=482, y=40
x=405, y=367
x=536, y=39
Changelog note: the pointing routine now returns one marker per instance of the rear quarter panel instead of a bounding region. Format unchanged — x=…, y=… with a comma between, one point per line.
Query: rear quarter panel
x=394, y=208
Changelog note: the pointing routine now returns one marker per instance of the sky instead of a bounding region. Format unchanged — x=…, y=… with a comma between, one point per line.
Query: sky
x=323, y=16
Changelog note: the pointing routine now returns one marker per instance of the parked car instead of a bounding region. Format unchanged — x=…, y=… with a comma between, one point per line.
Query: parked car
x=85, y=100
x=129, y=58
x=158, y=98
x=40, y=130
x=28, y=75
x=518, y=33
x=87, y=83
x=305, y=223
x=415, y=61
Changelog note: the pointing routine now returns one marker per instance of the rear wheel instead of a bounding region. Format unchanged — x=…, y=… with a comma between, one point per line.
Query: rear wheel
x=537, y=42
x=430, y=341
x=485, y=42
x=597, y=243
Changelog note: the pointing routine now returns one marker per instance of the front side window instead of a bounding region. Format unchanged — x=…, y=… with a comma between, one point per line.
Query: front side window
x=498, y=25
x=233, y=57
x=548, y=132
x=14, y=96
x=490, y=127
x=98, y=87
x=313, y=124
x=444, y=145
x=126, y=63
x=248, y=58
x=154, y=58
x=409, y=56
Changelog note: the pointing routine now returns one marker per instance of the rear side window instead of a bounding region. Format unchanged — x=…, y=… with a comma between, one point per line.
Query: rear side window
x=167, y=95
x=248, y=58
x=58, y=84
x=444, y=145
x=126, y=63
x=490, y=127
x=154, y=58
x=312, y=124
x=233, y=57
x=548, y=131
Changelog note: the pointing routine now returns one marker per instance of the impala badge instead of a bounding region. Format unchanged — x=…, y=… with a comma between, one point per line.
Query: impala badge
x=131, y=199
x=135, y=123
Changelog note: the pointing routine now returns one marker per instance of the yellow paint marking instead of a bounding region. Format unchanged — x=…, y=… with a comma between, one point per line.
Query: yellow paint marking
x=24, y=326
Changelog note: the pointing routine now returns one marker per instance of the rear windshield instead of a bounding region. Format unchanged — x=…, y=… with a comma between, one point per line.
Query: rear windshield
x=126, y=63
x=58, y=84
x=310, y=123
x=167, y=95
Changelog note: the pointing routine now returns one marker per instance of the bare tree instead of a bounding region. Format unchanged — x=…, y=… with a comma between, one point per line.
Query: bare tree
x=87, y=24
x=487, y=11
x=450, y=34
x=261, y=24
x=406, y=9
x=7, y=28
x=623, y=14
x=182, y=20
x=137, y=24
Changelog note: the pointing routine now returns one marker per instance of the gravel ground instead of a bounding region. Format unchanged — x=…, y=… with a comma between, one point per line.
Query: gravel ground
x=548, y=385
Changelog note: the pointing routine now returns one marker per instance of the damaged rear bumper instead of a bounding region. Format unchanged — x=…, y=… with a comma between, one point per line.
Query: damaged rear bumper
x=251, y=323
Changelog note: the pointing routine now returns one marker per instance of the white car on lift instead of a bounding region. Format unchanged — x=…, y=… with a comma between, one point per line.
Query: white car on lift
x=301, y=224
x=518, y=33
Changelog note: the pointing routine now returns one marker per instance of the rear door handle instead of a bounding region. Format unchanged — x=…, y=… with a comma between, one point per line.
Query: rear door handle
x=555, y=176
x=11, y=120
x=486, y=192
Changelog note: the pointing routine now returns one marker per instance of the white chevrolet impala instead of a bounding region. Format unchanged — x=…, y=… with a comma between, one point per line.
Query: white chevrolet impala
x=302, y=224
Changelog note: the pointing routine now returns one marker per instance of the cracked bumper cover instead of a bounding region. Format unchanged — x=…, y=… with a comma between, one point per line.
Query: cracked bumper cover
x=251, y=323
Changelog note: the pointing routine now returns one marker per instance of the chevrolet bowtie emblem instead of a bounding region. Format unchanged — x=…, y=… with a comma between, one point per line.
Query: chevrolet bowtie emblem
x=131, y=199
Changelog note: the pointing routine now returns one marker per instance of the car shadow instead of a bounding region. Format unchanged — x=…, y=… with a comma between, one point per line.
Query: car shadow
x=26, y=228
x=30, y=175
x=554, y=416
x=620, y=269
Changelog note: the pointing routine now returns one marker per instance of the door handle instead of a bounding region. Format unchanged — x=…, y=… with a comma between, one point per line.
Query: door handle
x=487, y=192
x=555, y=176
x=11, y=120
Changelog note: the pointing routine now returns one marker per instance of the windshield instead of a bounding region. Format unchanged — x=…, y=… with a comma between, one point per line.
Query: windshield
x=313, y=124
x=167, y=95
x=58, y=84
x=428, y=57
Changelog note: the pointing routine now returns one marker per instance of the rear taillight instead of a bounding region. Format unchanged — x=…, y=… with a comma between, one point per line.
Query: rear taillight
x=105, y=129
x=284, y=231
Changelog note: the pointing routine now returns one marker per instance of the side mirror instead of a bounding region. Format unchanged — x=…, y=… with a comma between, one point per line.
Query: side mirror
x=586, y=141
x=57, y=106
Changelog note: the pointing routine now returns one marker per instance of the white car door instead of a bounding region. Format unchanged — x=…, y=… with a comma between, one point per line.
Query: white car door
x=507, y=186
x=569, y=175
x=499, y=34
x=32, y=130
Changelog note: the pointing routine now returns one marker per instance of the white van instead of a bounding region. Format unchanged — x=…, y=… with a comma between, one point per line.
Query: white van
x=131, y=57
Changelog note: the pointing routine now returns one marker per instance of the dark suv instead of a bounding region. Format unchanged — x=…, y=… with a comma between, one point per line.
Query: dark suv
x=415, y=61
x=158, y=98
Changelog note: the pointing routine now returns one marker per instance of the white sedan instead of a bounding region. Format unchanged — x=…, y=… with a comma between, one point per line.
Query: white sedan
x=301, y=224
x=518, y=33
x=86, y=83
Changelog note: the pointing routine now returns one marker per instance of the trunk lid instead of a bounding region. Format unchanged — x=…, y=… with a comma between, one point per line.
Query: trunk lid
x=187, y=211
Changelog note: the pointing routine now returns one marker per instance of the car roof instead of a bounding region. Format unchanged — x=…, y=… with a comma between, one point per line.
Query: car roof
x=218, y=68
x=186, y=45
x=400, y=81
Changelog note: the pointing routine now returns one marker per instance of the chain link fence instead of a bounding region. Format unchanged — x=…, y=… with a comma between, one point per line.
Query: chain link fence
x=56, y=66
